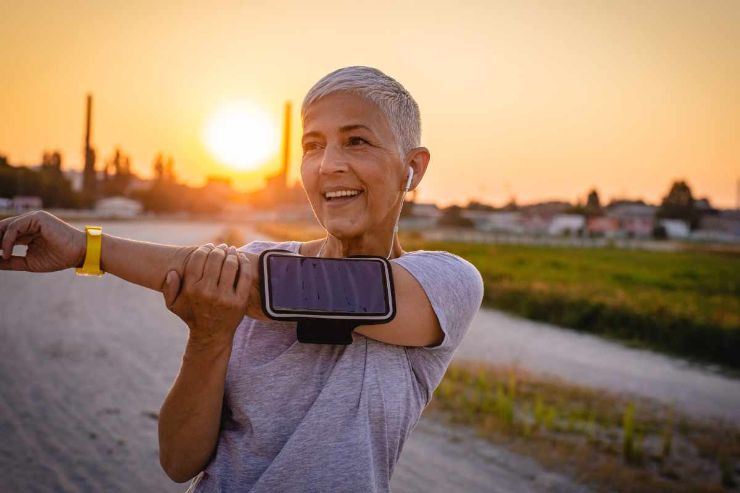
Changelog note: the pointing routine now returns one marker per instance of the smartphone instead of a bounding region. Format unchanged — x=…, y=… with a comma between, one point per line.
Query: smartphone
x=296, y=287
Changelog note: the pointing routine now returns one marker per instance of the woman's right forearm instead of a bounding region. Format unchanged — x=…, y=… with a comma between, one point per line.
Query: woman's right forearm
x=141, y=262
x=190, y=417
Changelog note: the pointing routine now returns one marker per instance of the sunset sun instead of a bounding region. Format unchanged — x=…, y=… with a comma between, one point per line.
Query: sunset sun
x=240, y=135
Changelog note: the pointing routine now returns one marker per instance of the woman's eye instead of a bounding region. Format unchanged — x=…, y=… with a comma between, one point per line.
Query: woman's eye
x=310, y=146
x=357, y=141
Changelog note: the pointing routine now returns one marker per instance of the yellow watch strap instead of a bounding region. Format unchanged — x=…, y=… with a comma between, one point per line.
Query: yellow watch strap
x=91, y=266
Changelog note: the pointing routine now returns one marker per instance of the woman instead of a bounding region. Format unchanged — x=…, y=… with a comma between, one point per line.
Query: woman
x=253, y=408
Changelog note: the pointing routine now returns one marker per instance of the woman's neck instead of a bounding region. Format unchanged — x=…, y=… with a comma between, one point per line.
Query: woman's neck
x=331, y=246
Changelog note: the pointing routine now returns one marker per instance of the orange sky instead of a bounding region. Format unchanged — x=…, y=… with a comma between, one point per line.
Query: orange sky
x=540, y=100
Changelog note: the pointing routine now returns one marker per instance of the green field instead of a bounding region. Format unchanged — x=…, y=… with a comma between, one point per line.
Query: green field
x=686, y=303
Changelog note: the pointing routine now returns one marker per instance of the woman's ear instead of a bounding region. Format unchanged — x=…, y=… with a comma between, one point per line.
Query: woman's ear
x=418, y=160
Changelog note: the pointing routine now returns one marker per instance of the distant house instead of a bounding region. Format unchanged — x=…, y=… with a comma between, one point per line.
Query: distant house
x=505, y=222
x=423, y=216
x=481, y=218
x=636, y=219
x=676, y=229
x=426, y=210
x=536, y=223
x=569, y=224
x=638, y=227
x=23, y=203
x=603, y=226
x=118, y=207
x=722, y=227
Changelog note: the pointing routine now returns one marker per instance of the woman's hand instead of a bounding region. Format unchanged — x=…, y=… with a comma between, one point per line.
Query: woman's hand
x=212, y=297
x=52, y=244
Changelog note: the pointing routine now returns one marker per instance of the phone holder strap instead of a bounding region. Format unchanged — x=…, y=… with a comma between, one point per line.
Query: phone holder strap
x=325, y=331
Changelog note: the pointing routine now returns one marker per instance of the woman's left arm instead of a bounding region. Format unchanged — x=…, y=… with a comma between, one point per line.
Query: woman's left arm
x=415, y=323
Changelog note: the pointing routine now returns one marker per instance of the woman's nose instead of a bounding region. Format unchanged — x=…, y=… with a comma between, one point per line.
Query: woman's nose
x=333, y=160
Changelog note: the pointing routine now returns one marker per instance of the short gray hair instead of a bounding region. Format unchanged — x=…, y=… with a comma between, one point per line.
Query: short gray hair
x=393, y=99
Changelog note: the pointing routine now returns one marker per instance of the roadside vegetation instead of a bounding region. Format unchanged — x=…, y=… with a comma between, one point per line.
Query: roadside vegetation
x=611, y=442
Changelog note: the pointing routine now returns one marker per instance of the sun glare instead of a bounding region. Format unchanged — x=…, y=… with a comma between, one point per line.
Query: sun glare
x=240, y=135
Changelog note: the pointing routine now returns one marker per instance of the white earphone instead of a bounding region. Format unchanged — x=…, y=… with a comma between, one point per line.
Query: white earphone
x=408, y=181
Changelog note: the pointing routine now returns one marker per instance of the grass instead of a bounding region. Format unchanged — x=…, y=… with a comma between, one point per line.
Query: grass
x=685, y=303
x=615, y=443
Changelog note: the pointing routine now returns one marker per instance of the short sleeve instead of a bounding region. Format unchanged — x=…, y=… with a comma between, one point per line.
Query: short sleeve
x=454, y=288
x=258, y=246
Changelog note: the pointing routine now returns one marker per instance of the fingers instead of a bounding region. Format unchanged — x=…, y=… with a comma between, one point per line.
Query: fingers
x=244, y=282
x=171, y=288
x=13, y=227
x=9, y=235
x=14, y=263
x=196, y=262
x=229, y=270
x=212, y=268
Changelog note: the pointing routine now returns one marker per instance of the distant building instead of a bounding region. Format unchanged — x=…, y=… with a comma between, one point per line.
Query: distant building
x=546, y=209
x=423, y=216
x=675, y=229
x=505, y=222
x=636, y=219
x=722, y=227
x=481, y=218
x=703, y=205
x=536, y=223
x=603, y=226
x=118, y=207
x=570, y=224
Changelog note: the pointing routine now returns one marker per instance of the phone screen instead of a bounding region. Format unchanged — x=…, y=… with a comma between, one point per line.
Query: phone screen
x=304, y=284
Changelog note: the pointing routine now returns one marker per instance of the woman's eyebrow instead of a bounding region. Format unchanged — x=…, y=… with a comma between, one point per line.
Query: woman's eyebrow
x=343, y=129
x=308, y=135
x=349, y=128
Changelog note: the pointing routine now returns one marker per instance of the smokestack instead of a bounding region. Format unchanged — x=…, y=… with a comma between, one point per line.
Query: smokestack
x=88, y=122
x=286, y=144
x=88, y=175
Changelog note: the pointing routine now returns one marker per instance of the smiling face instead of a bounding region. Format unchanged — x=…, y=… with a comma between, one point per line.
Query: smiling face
x=349, y=149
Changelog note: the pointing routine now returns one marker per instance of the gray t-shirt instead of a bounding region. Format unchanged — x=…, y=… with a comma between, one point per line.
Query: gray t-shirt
x=319, y=417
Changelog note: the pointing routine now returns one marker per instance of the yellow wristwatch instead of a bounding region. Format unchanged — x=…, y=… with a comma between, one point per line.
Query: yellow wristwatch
x=91, y=266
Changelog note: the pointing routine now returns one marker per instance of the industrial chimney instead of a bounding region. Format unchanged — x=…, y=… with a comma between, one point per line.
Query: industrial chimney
x=89, y=179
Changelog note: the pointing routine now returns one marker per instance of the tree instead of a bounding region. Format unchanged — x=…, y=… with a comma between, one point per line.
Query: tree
x=511, y=206
x=118, y=183
x=679, y=204
x=52, y=160
x=593, y=204
x=475, y=205
x=452, y=216
x=158, y=167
